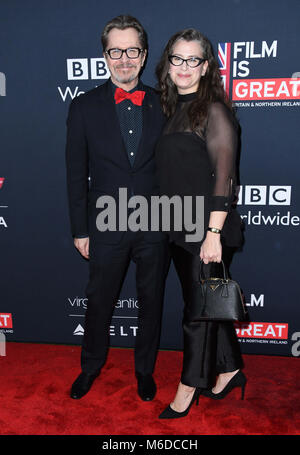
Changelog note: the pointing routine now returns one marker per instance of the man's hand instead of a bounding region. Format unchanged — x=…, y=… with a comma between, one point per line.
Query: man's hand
x=82, y=246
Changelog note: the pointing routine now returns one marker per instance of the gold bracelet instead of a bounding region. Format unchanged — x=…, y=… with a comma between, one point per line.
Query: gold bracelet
x=214, y=230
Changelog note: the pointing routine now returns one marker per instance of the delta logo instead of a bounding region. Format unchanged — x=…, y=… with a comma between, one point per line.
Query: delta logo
x=79, y=330
x=1, y=182
x=6, y=321
x=235, y=61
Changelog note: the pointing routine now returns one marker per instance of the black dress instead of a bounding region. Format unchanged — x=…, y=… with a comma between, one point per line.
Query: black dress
x=202, y=163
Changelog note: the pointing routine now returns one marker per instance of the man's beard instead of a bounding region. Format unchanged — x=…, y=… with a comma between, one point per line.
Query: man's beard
x=125, y=79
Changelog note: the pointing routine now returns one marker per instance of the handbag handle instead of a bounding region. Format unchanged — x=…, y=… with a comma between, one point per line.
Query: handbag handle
x=225, y=277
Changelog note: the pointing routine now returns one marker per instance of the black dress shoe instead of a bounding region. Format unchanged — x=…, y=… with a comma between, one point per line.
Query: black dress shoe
x=146, y=387
x=238, y=380
x=169, y=413
x=82, y=385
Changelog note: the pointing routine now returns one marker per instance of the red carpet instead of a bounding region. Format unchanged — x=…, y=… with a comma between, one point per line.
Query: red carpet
x=35, y=383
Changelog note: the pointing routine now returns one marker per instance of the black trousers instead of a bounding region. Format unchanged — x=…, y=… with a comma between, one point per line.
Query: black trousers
x=210, y=347
x=108, y=267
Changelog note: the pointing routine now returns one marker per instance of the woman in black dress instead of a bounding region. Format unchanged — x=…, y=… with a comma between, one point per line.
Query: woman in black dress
x=196, y=155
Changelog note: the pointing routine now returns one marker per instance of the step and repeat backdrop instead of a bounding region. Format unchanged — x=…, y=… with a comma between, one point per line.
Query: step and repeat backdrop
x=50, y=52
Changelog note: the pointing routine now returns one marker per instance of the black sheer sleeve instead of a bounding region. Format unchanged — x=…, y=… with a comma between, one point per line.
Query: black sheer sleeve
x=221, y=141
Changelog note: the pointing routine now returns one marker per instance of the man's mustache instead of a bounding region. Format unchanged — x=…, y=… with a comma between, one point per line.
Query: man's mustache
x=125, y=65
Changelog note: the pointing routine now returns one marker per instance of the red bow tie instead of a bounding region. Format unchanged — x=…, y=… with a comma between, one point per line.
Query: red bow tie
x=135, y=97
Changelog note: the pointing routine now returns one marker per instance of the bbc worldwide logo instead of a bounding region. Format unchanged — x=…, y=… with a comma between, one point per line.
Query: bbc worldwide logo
x=87, y=68
x=265, y=195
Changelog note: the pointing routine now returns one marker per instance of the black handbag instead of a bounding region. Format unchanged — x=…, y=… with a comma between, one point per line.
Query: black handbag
x=217, y=299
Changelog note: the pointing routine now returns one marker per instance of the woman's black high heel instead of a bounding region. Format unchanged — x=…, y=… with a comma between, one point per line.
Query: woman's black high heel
x=169, y=413
x=238, y=380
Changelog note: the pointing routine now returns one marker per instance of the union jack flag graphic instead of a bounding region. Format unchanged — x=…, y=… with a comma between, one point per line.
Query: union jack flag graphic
x=1, y=181
x=224, y=63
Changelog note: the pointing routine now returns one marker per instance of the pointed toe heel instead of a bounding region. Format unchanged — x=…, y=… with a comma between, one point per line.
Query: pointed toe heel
x=238, y=380
x=169, y=413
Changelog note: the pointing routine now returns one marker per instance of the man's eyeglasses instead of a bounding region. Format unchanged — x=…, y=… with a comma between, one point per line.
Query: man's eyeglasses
x=192, y=61
x=131, y=52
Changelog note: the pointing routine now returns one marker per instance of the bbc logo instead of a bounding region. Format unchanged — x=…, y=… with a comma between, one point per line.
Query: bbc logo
x=84, y=69
x=264, y=195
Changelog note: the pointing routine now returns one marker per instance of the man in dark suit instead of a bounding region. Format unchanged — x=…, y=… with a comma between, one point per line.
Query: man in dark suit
x=111, y=135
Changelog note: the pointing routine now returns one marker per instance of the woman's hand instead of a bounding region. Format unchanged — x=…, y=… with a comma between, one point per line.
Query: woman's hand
x=211, y=249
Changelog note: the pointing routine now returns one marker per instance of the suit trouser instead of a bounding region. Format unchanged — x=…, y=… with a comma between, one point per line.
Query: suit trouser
x=108, y=267
x=209, y=347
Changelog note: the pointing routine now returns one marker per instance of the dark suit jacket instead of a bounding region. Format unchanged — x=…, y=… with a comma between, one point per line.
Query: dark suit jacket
x=95, y=148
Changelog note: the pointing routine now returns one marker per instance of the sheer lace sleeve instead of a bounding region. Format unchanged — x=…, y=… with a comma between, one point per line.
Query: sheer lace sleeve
x=221, y=141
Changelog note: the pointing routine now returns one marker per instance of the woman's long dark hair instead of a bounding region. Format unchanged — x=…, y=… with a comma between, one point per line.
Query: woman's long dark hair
x=210, y=88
